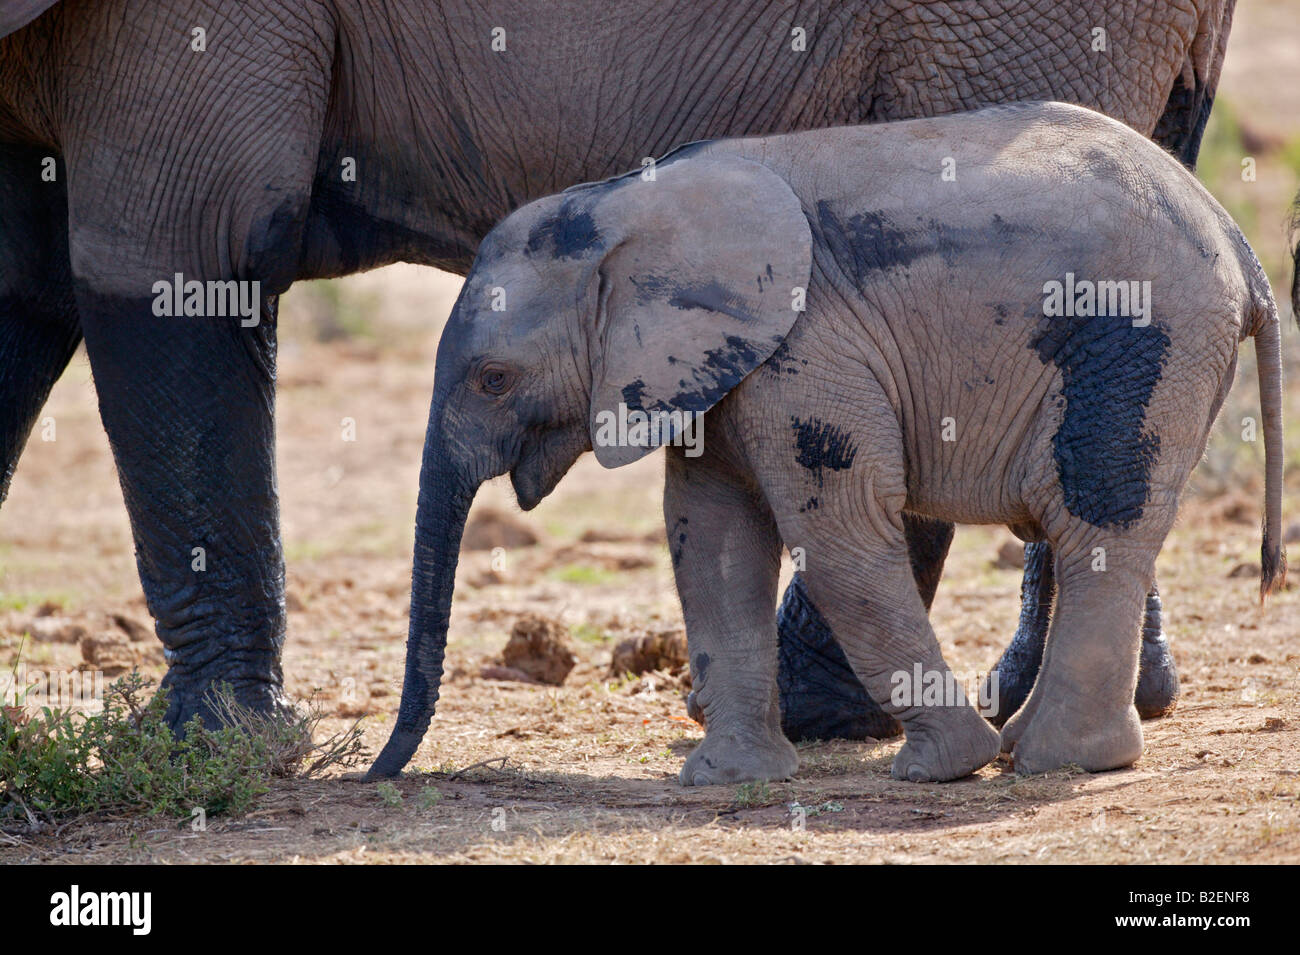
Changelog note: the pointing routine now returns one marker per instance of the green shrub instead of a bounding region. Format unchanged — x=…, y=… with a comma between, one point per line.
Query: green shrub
x=55, y=763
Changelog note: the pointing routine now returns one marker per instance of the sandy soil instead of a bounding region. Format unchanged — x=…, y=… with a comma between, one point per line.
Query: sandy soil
x=587, y=771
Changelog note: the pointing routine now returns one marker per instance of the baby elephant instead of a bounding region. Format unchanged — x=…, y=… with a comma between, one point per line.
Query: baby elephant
x=1025, y=315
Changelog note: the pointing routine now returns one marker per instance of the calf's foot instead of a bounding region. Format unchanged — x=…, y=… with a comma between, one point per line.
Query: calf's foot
x=1079, y=734
x=726, y=757
x=945, y=743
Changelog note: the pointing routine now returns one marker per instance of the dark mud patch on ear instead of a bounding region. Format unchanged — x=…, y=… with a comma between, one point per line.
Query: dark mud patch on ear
x=722, y=369
x=1109, y=371
x=822, y=447
x=712, y=297
x=634, y=395
x=783, y=362
x=708, y=296
x=568, y=234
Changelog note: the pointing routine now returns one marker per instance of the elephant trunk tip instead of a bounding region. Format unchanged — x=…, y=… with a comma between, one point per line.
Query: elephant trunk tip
x=397, y=752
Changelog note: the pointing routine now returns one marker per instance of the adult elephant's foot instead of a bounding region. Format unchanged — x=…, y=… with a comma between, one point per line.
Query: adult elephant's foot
x=1012, y=679
x=253, y=682
x=1157, y=688
x=725, y=758
x=821, y=698
x=945, y=743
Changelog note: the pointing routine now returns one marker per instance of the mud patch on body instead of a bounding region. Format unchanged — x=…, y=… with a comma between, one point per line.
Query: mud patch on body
x=822, y=447
x=866, y=242
x=1109, y=370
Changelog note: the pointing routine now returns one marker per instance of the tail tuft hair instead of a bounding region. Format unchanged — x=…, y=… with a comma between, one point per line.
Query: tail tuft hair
x=1272, y=564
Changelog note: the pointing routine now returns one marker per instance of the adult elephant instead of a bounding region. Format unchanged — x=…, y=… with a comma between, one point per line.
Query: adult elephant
x=221, y=142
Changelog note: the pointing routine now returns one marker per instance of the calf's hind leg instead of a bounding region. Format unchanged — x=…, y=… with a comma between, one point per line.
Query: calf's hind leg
x=869, y=596
x=1081, y=709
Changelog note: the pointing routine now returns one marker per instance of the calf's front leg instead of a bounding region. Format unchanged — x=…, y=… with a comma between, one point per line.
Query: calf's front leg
x=726, y=558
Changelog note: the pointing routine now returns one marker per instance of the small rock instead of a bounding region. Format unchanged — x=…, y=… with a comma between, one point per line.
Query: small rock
x=540, y=648
x=486, y=578
x=1257, y=658
x=55, y=630
x=109, y=652
x=1240, y=510
x=1011, y=555
x=489, y=528
x=135, y=630
x=603, y=535
x=497, y=672
x=1273, y=724
x=1246, y=569
x=665, y=650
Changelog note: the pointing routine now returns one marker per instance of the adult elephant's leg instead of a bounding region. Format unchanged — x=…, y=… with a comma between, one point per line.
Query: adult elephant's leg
x=188, y=406
x=1012, y=679
x=197, y=165
x=821, y=698
x=38, y=316
x=1017, y=669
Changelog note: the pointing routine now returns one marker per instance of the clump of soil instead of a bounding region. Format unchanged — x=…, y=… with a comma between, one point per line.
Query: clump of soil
x=53, y=629
x=136, y=630
x=489, y=528
x=109, y=651
x=494, y=671
x=539, y=648
x=664, y=650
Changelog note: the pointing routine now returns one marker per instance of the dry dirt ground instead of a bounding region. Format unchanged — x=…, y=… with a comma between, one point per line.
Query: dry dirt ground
x=587, y=771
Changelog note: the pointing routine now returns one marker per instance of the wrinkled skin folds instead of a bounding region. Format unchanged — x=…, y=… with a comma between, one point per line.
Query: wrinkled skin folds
x=226, y=165
x=827, y=426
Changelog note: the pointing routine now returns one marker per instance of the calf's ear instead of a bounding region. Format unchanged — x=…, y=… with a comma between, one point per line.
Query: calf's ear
x=703, y=268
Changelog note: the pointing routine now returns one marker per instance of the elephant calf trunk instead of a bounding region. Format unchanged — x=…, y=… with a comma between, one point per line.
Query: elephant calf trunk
x=439, y=526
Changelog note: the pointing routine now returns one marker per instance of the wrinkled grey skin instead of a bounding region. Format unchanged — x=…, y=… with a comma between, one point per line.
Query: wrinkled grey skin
x=227, y=164
x=924, y=306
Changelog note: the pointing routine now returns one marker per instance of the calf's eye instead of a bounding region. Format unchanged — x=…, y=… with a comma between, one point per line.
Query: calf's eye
x=495, y=381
